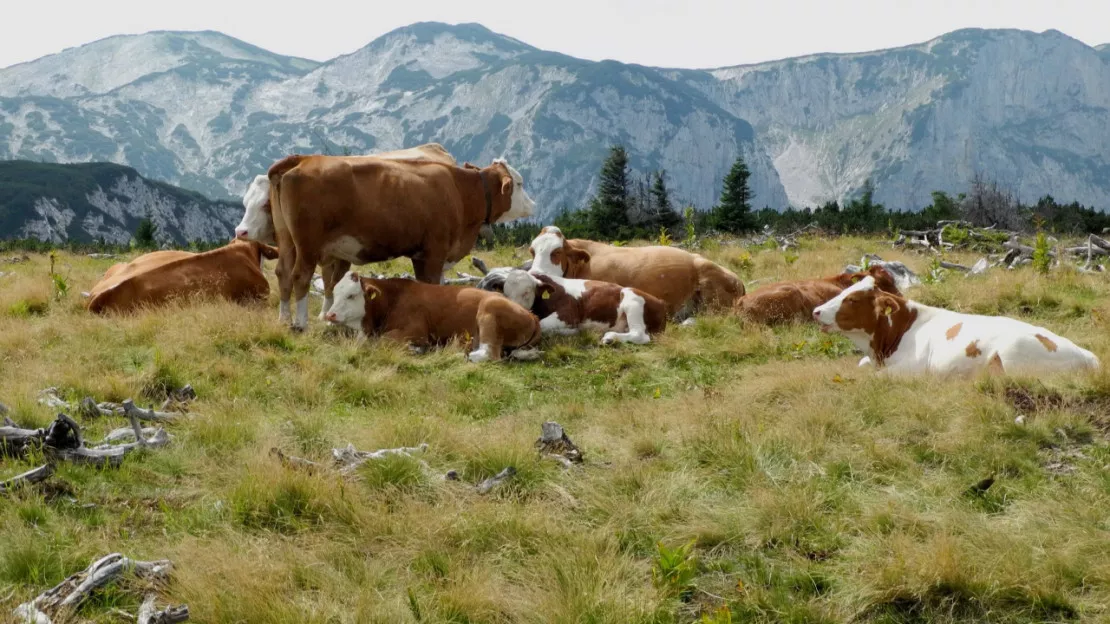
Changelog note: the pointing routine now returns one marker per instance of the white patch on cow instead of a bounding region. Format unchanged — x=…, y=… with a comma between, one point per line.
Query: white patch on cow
x=257, y=224
x=555, y=325
x=826, y=313
x=328, y=301
x=349, y=306
x=632, y=307
x=864, y=361
x=482, y=354
x=543, y=246
x=520, y=288
x=522, y=205
x=283, y=312
x=345, y=248
x=574, y=287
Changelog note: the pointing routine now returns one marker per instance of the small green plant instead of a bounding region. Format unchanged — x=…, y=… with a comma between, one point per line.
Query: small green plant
x=691, y=230
x=790, y=257
x=1042, y=261
x=674, y=569
x=721, y=616
x=61, y=284
x=664, y=238
x=935, y=272
x=618, y=243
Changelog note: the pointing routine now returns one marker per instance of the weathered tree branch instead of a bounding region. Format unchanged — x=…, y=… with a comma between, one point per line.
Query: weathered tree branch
x=169, y=615
x=477, y=263
x=35, y=475
x=297, y=463
x=348, y=459
x=554, y=443
x=485, y=486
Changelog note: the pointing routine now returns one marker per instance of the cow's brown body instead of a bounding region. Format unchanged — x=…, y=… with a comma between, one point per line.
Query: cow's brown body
x=232, y=272
x=368, y=209
x=679, y=278
x=795, y=301
x=598, y=306
x=430, y=314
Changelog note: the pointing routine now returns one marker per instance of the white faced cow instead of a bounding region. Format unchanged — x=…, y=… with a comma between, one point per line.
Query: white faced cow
x=904, y=336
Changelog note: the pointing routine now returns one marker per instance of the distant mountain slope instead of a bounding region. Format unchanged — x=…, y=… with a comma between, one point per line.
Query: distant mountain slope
x=208, y=112
x=90, y=201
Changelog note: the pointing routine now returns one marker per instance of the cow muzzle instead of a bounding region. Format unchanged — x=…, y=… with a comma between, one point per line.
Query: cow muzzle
x=331, y=317
x=241, y=233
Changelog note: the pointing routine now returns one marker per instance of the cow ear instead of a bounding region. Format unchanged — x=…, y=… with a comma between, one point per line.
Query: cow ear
x=269, y=252
x=545, y=290
x=506, y=185
x=467, y=165
x=370, y=291
x=886, y=305
x=577, y=260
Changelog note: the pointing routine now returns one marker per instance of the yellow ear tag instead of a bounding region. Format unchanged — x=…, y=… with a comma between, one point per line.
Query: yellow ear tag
x=546, y=295
x=887, y=311
x=374, y=295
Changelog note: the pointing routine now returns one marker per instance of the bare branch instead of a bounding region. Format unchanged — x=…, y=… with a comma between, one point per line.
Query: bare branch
x=35, y=475
x=169, y=615
x=485, y=486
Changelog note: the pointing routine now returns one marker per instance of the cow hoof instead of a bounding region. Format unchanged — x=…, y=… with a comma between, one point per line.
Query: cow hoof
x=477, y=357
x=297, y=329
x=418, y=350
x=609, y=338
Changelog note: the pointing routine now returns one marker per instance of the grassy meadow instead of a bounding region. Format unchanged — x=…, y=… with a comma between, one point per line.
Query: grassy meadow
x=733, y=473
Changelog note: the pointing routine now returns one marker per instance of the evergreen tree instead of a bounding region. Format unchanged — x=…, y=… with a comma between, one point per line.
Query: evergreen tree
x=144, y=233
x=734, y=212
x=663, y=213
x=609, y=211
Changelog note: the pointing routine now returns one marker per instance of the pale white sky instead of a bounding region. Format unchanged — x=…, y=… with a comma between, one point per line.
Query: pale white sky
x=672, y=33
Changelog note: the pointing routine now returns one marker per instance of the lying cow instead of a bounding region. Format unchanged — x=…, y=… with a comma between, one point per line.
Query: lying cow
x=907, y=337
x=372, y=209
x=565, y=306
x=795, y=301
x=682, y=280
x=422, y=315
x=258, y=218
x=233, y=272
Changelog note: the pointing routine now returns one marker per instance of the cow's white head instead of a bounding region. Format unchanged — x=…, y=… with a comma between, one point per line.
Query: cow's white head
x=512, y=183
x=520, y=288
x=258, y=219
x=351, y=298
x=863, y=307
x=553, y=255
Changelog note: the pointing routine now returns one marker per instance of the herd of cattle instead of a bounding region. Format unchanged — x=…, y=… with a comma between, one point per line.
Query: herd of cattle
x=334, y=211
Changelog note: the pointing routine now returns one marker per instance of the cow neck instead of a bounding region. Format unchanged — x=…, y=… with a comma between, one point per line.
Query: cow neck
x=489, y=196
x=889, y=332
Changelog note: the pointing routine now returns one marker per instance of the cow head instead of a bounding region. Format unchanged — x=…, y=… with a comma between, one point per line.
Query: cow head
x=522, y=288
x=508, y=184
x=553, y=254
x=865, y=312
x=258, y=218
x=884, y=281
x=355, y=299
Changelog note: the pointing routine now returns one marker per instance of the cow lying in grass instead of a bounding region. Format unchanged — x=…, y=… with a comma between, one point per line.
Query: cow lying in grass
x=908, y=337
x=233, y=272
x=795, y=301
x=422, y=315
x=682, y=280
x=566, y=306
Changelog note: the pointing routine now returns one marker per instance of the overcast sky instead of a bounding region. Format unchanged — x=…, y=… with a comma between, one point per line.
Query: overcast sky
x=673, y=33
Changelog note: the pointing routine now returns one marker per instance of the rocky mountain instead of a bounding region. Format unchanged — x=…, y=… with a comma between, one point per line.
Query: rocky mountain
x=104, y=201
x=208, y=112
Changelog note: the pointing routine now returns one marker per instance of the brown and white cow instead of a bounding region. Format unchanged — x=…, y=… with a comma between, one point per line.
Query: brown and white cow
x=905, y=336
x=683, y=280
x=258, y=218
x=233, y=272
x=371, y=209
x=566, y=306
x=795, y=301
x=421, y=315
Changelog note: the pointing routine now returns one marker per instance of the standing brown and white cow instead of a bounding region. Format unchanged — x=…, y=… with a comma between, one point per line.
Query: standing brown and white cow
x=362, y=210
x=258, y=218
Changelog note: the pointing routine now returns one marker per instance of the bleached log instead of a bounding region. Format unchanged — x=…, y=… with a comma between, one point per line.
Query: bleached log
x=554, y=441
x=130, y=409
x=49, y=397
x=979, y=267
x=350, y=458
x=170, y=615
x=71, y=592
x=14, y=440
x=954, y=266
x=32, y=476
x=298, y=463
x=485, y=486
x=124, y=434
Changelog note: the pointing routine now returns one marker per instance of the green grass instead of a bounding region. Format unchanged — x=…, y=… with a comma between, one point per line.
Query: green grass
x=808, y=490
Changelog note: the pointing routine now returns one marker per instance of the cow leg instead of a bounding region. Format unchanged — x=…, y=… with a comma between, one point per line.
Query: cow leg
x=287, y=256
x=332, y=272
x=490, y=340
x=429, y=267
x=303, y=269
x=631, y=308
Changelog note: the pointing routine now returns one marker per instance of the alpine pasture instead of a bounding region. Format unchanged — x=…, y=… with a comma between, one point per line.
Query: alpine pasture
x=731, y=472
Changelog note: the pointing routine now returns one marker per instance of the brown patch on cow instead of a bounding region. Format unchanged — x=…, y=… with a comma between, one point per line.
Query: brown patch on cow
x=972, y=349
x=1047, y=342
x=955, y=331
x=995, y=365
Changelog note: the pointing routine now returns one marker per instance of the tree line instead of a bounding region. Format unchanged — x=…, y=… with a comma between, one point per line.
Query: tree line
x=627, y=207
